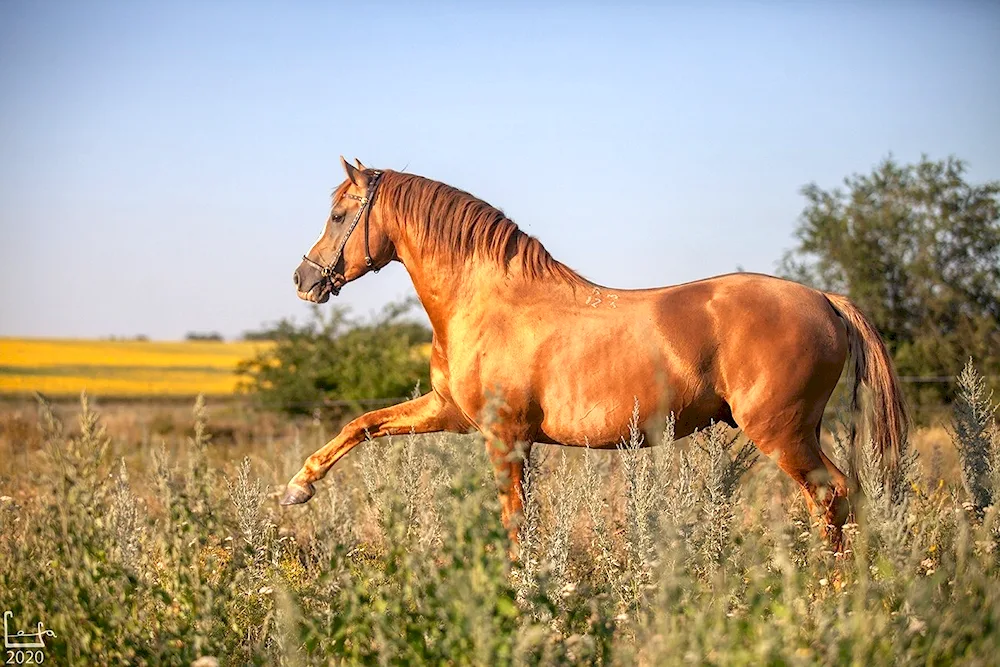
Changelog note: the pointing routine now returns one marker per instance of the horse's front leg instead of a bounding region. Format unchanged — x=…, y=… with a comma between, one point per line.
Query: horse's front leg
x=509, y=457
x=428, y=414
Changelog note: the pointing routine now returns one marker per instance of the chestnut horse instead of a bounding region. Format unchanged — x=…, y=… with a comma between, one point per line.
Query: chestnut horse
x=569, y=357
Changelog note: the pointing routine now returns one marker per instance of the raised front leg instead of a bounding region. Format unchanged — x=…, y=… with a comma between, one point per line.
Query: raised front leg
x=428, y=414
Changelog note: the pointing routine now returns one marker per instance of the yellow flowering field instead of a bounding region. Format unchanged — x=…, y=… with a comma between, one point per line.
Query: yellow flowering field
x=121, y=368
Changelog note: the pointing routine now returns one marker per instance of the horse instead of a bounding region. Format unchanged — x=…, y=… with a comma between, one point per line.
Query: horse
x=569, y=358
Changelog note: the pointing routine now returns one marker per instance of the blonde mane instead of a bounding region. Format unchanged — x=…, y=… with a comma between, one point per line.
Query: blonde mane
x=447, y=222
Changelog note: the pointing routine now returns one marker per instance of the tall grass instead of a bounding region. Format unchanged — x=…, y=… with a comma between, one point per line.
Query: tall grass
x=693, y=551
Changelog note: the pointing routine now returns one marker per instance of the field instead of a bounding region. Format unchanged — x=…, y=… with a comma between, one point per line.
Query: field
x=139, y=545
x=121, y=368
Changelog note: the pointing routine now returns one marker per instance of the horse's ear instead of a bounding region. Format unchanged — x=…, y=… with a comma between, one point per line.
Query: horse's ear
x=354, y=175
x=359, y=165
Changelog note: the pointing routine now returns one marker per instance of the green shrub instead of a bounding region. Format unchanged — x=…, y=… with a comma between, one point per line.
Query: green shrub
x=333, y=364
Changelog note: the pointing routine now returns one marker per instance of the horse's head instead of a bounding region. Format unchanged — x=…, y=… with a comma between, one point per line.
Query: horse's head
x=353, y=242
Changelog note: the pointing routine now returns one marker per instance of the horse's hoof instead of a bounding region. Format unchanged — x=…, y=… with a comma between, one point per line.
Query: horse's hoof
x=296, y=494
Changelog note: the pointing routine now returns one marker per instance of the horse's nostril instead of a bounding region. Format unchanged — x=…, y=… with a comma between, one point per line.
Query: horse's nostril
x=296, y=278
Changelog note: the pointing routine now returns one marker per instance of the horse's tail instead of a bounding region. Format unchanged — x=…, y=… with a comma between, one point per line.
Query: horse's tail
x=888, y=421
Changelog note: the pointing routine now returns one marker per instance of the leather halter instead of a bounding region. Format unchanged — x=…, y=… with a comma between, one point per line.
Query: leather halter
x=329, y=272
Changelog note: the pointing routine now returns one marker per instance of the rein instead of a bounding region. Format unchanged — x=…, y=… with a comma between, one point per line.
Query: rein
x=329, y=272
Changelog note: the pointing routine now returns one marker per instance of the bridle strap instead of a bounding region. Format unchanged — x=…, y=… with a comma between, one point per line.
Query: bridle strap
x=368, y=216
x=367, y=202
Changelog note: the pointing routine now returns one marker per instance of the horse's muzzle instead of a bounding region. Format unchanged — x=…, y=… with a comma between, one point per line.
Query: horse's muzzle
x=311, y=285
x=318, y=293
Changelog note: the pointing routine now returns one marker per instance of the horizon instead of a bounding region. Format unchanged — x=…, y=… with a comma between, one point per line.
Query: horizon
x=165, y=167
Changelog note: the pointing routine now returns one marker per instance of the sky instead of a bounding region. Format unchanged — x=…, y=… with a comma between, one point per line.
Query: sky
x=163, y=166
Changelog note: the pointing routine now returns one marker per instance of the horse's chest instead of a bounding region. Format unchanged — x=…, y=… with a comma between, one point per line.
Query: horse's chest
x=484, y=368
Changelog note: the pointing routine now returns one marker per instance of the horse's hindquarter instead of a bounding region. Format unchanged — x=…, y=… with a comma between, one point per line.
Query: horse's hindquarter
x=781, y=349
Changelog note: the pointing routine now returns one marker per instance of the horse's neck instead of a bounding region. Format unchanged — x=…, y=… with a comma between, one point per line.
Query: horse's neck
x=447, y=291
x=451, y=292
x=450, y=289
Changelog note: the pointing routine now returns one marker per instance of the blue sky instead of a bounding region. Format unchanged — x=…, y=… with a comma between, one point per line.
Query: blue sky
x=163, y=166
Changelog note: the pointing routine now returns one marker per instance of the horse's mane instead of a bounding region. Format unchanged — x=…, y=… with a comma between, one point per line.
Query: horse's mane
x=450, y=223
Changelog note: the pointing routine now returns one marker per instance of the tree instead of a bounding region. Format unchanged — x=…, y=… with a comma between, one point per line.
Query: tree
x=267, y=333
x=333, y=363
x=918, y=249
x=210, y=336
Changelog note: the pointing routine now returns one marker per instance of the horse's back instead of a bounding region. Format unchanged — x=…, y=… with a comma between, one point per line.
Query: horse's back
x=751, y=304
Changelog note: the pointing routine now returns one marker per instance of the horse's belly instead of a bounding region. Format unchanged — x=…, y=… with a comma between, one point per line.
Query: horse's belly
x=595, y=405
x=603, y=424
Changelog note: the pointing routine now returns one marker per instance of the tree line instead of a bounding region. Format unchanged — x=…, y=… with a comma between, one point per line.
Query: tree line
x=917, y=247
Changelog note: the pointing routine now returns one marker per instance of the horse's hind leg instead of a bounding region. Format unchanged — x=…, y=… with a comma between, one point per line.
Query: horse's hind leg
x=836, y=507
x=798, y=453
x=842, y=485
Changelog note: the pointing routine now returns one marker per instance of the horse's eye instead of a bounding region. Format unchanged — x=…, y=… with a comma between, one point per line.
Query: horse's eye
x=336, y=217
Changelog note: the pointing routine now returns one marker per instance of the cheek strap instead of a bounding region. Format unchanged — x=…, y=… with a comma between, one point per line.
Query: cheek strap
x=329, y=272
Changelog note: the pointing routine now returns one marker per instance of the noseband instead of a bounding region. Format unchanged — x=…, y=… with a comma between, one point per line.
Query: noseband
x=329, y=272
